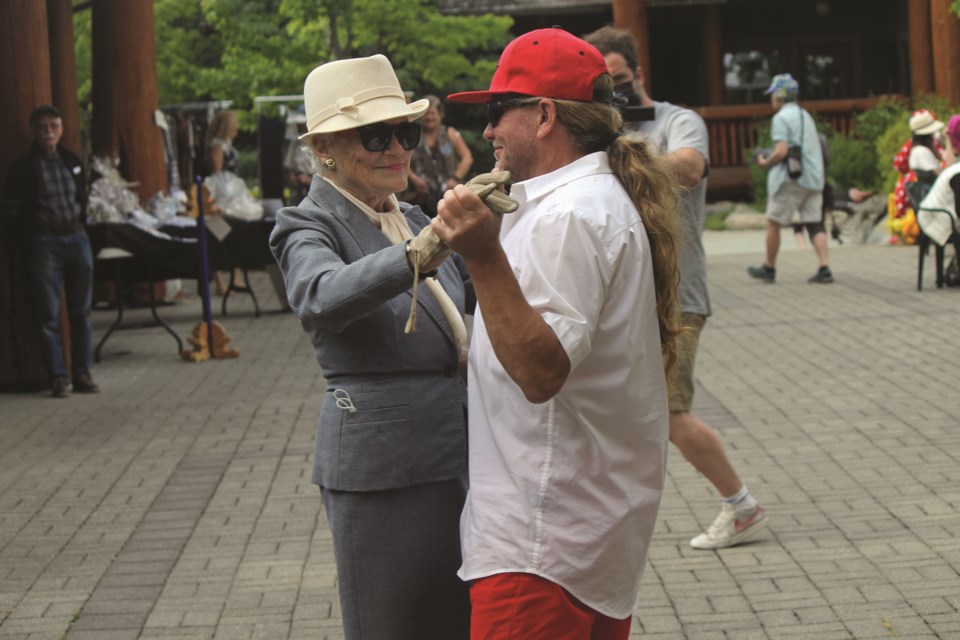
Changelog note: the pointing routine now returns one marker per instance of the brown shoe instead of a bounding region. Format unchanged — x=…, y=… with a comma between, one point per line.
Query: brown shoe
x=85, y=384
x=58, y=388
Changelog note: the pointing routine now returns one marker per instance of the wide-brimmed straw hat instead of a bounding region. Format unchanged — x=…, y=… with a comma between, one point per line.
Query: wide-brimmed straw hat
x=346, y=94
x=924, y=123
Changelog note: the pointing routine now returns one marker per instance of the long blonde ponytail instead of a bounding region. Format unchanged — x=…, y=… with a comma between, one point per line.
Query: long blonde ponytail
x=651, y=185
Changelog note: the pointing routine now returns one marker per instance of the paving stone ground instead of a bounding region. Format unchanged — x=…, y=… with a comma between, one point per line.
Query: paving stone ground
x=177, y=502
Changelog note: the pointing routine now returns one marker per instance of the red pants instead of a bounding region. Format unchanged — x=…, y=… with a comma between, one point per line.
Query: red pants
x=522, y=606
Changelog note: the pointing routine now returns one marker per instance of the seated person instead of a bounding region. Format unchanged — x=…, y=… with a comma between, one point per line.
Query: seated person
x=937, y=215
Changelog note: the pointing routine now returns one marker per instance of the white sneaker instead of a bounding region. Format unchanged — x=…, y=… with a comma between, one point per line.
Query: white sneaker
x=731, y=528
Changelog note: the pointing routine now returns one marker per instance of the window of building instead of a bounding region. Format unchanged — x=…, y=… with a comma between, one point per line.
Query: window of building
x=747, y=74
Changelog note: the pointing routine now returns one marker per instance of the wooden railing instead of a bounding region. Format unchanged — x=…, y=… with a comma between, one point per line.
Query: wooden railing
x=733, y=132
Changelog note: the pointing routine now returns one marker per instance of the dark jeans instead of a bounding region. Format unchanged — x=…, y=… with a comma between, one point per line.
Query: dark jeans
x=67, y=261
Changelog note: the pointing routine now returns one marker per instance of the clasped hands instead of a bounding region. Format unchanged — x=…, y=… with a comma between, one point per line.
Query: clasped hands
x=464, y=222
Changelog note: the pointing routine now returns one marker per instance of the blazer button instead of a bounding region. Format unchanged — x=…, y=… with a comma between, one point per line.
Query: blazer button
x=450, y=372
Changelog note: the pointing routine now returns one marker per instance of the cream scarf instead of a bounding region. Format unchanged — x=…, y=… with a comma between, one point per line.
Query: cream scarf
x=394, y=226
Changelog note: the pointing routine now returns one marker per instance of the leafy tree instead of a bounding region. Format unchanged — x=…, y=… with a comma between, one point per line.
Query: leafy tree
x=239, y=49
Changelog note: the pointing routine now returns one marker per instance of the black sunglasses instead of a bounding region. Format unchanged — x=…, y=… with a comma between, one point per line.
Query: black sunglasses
x=377, y=137
x=496, y=110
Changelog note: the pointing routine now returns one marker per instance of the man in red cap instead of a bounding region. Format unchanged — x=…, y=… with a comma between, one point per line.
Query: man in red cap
x=578, y=315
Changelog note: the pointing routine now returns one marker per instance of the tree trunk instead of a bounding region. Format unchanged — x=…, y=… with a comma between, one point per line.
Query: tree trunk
x=125, y=92
x=25, y=78
x=63, y=71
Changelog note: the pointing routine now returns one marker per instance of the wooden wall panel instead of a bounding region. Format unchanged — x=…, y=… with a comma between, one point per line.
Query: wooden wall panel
x=25, y=78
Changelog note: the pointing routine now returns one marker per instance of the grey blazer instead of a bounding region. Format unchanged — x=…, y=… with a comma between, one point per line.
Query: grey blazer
x=394, y=411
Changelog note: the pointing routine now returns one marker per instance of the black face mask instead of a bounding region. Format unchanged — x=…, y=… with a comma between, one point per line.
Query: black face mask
x=626, y=92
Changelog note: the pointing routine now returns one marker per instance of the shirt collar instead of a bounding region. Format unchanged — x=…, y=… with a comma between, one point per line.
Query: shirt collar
x=540, y=186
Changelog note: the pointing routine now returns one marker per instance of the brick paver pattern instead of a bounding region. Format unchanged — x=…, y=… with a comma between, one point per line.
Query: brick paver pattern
x=177, y=503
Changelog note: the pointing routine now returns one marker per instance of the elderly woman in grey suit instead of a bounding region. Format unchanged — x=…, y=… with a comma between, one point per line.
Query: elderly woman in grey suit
x=391, y=438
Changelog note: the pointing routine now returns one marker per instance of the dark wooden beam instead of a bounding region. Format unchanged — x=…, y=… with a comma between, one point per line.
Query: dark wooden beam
x=921, y=47
x=632, y=16
x=946, y=50
x=63, y=70
x=713, y=55
x=125, y=95
x=25, y=77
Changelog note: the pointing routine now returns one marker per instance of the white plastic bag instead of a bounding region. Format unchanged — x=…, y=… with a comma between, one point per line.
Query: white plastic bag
x=230, y=193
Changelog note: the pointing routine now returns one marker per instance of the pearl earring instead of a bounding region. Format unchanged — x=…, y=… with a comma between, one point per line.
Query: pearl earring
x=330, y=163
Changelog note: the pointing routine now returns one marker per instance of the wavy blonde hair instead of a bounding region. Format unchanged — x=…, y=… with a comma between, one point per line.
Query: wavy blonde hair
x=651, y=185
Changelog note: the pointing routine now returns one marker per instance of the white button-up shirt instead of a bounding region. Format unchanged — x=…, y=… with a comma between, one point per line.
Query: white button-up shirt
x=569, y=489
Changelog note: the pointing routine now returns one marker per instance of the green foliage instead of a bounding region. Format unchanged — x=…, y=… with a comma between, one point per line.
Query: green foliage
x=716, y=220
x=889, y=110
x=955, y=7
x=240, y=49
x=758, y=173
x=886, y=148
x=853, y=163
x=82, y=30
x=188, y=50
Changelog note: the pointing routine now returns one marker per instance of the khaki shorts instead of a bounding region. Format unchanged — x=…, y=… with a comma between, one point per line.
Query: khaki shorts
x=794, y=204
x=681, y=377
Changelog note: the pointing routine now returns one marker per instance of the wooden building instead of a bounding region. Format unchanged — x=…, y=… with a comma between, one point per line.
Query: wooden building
x=717, y=56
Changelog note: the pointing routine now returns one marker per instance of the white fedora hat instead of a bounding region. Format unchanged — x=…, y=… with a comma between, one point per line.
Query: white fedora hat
x=351, y=93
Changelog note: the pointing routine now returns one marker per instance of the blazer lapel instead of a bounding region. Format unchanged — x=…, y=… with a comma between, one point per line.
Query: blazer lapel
x=371, y=239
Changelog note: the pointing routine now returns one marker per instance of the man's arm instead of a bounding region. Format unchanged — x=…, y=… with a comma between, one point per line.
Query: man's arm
x=689, y=165
x=686, y=147
x=523, y=342
x=779, y=154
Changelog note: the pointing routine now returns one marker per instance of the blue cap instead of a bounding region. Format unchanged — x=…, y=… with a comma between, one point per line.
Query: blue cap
x=782, y=86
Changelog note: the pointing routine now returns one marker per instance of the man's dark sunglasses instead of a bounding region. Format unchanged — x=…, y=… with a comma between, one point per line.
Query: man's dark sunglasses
x=496, y=108
x=377, y=137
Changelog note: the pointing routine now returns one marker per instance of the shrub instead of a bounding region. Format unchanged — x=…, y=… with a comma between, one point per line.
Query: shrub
x=872, y=123
x=853, y=163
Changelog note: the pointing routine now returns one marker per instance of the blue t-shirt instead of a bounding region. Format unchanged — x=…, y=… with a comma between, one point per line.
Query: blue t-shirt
x=786, y=126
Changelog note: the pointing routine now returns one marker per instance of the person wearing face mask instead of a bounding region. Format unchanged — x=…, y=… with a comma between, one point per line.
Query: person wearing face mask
x=391, y=448
x=681, y=135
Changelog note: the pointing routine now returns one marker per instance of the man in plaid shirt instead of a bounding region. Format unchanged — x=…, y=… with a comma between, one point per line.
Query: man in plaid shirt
x=45, y=200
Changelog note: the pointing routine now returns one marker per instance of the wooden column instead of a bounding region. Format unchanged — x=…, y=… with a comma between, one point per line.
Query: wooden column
x=25, y=78
x=125, y=92
x=63, y=71
x=921, y=47
x=713, y=55
x=632, y=16
x=945, y=27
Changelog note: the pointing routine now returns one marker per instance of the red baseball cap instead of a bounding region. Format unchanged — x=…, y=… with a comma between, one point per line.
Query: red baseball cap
x=546, y=63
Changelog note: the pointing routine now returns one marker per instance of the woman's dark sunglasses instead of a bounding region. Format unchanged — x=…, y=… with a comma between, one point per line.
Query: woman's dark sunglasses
x=377, y=137
x=496, y=109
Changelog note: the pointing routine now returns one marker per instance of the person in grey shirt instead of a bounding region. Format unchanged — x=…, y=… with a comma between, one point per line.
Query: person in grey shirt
x=682, y=138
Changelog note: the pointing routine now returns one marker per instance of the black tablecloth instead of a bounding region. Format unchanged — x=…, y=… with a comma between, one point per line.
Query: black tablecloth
x=175, y=252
